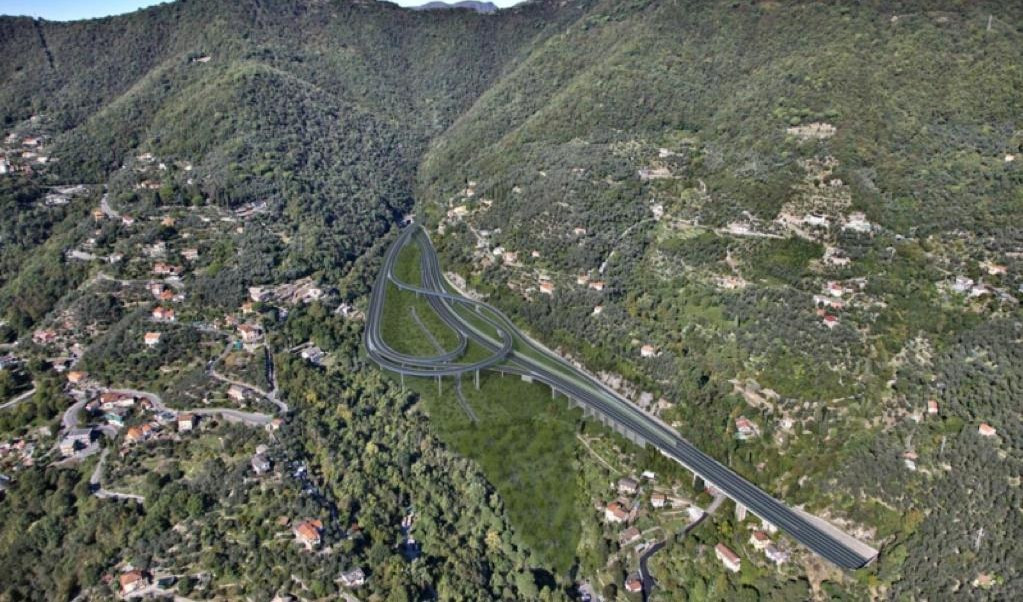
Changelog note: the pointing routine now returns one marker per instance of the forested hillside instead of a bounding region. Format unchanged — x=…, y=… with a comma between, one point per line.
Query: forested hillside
x=807, y=216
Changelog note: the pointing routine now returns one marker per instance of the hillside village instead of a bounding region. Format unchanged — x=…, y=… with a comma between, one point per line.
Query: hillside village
x=136, y=363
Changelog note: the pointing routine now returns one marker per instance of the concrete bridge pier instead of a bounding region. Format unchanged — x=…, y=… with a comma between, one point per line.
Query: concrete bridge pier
x=477, y=380
x=740, y=512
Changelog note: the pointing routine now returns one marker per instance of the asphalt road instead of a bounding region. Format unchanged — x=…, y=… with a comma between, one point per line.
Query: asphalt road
x=513, y=352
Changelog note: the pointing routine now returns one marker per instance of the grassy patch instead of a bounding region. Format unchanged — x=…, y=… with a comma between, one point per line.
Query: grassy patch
x=525, y=443
x=399, y=327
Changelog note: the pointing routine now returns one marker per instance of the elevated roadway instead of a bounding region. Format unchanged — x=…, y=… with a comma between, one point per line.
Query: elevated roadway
x=510, y=351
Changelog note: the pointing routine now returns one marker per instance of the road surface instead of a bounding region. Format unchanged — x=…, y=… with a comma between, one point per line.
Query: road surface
x=20, y=398
x=513, y=352
x=644, y=558
x=270, y=396
x=96, y=480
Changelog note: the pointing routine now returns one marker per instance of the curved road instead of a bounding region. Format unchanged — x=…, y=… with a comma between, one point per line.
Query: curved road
x=513, y=352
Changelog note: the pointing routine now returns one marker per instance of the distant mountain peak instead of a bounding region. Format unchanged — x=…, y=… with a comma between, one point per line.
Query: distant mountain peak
x=480, y=7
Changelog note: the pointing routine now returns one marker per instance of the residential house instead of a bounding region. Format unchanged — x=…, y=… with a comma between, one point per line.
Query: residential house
x=186, y=421
x=728, y=558
x=547, y=287
x=760, y=540
x=163, y=269
x=98, y=215
x=909, y=458
x=152, y=339
x=597, y=285
x=236, y=393
x=744, y=429
x=582, y=280
x=835, y=289
x=510, y=257
x=932, y=407
x=109, y=400
x=633, y=584
x=134, y=581
x=308, y=533
x=139, y=433
x=250, y=333
x=628, y=536
x=648, y=350
x=164, y=314
x=598, y=309
x=275, y=424
x=986, y=430
x=776, y=554
x=76, y=377
x=260, y=464
x=44, y=337
x=658, y=500
x=190, y=254
x=829, y=320
x=579, y=231
x=627, y=485
x=353, y=578
x=313, y=355
x=75, y=439
x=615, y=513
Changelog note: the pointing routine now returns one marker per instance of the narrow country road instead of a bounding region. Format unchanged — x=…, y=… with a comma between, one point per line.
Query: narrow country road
x=20, y=398
x=644, y=571
x=270, y=396
x=96, y=480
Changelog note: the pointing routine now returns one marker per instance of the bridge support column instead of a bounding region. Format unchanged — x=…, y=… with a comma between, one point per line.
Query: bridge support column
x=740, y=512
x=402, y=375
x=438, y=385
x=553, y=392
x=477, y=380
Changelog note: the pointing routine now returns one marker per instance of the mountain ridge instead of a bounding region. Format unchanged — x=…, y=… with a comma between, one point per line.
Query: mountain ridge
x=485, y=8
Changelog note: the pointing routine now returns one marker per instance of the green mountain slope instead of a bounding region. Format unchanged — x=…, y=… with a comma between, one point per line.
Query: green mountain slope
x=784, y=200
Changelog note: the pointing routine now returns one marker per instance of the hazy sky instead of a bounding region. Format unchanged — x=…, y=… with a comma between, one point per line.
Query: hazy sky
x=69, y=10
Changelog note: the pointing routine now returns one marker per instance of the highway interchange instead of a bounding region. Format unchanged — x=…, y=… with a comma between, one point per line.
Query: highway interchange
x=510, y=351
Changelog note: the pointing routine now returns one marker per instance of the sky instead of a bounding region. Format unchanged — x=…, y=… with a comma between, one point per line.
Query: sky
x=69, y=10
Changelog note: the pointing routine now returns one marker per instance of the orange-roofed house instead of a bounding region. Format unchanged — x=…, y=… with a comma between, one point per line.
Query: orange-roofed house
x=615, y=513
x=164, y=314
x=728, y=558
x=133, y=581
x=986, y=430
x=760, y=540
x=308, y=532
x=151, y=339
